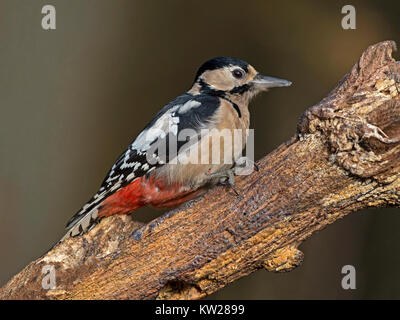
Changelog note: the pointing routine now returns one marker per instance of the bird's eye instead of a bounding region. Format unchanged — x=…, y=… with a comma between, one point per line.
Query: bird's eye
x=238, y=73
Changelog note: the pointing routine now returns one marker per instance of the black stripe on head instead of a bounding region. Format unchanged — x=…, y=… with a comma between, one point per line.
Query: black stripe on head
x=221, y=62
x=205, y=88
x=222, y=94
x=241, y=89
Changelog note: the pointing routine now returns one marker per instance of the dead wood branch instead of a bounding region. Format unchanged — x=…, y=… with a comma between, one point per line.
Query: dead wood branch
x=343, y=158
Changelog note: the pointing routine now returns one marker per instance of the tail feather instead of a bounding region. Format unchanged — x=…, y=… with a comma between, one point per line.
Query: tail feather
x=104, y=203
x=88, y=216
x=81, y=223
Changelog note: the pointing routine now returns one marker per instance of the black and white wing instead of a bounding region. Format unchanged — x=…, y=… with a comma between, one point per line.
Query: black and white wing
x=143, y=155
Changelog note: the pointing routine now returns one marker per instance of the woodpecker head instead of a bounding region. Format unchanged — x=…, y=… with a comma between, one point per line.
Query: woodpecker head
x=233, y=78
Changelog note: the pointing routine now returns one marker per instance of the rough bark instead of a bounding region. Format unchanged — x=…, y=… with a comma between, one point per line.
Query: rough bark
x=338, y=162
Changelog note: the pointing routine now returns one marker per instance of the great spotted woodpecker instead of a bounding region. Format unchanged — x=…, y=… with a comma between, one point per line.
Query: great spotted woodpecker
x=148, y=172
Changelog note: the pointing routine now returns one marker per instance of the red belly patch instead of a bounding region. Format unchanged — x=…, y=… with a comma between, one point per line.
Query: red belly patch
x=145, y=191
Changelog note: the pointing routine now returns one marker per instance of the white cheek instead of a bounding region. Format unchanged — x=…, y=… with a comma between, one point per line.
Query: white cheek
x=220, y=79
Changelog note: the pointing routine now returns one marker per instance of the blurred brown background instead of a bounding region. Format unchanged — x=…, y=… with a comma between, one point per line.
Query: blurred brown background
x=73, y=98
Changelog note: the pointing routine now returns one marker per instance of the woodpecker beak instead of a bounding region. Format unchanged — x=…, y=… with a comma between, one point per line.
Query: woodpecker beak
x=261, y=82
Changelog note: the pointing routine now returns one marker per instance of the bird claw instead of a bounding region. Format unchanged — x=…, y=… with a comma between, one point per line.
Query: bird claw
x=245, y=166
x=226, y=178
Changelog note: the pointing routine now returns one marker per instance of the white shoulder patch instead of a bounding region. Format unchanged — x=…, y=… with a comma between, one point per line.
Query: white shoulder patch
x=165, y=124
x=188, y=106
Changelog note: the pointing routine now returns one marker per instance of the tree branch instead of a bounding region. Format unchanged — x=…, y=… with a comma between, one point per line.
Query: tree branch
x=338, y=162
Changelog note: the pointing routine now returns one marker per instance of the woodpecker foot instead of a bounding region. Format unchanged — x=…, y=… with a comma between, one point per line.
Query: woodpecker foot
x=226, y=178
x=245, y=166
